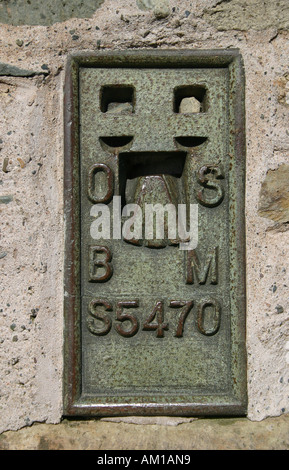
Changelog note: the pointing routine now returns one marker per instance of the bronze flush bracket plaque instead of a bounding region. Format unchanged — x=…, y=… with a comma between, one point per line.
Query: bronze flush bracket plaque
x=150, y=328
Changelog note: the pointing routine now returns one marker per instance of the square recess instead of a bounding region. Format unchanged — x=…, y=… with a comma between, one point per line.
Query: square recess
x=111, y=95
x=183, y=92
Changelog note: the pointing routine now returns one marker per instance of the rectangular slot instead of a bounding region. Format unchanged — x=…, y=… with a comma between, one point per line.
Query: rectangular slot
x=190, y=99
x=113, y=96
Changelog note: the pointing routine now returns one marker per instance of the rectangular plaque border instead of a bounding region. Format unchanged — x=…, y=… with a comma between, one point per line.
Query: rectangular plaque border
x=74, y=404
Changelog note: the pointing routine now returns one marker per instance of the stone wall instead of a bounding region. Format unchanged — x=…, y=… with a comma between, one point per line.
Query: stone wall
x=36, y=38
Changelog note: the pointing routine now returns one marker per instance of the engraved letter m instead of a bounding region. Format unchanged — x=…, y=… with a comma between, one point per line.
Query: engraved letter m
x=207, y=272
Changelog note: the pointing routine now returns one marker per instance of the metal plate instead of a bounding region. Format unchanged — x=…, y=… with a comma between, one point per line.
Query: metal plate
x=150, y=328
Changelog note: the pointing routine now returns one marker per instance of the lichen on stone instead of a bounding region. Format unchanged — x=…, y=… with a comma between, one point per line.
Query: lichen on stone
x=31, y=12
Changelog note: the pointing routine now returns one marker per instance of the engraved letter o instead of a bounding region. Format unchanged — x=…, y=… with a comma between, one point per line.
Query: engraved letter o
x=91, y=184
x=215, y=320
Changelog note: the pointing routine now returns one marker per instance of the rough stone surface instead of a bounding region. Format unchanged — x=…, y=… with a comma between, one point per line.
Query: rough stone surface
x=203, y=434
x=161, y=8
x=190, y=105
x=244, y=15
x=7, y=70
x=274, y=197
x=283, y=88
x=31, y=236
x=31, y=173
x=119, y=108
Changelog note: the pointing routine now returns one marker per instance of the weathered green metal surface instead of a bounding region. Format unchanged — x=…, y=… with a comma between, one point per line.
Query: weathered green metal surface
x=150, y=328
